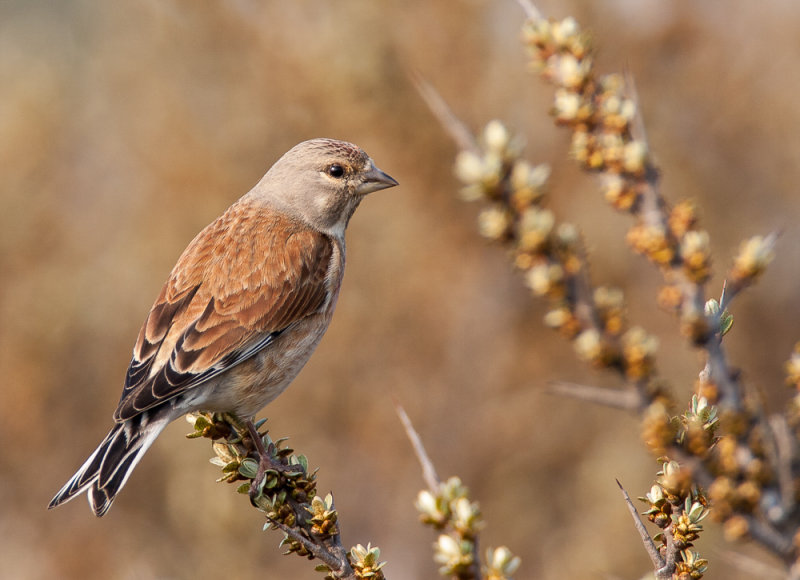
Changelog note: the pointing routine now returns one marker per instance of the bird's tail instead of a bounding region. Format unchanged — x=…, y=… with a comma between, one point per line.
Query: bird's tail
x=108, y=468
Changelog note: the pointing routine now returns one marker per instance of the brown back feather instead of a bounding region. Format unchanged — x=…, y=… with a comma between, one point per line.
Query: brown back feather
x=245, y=278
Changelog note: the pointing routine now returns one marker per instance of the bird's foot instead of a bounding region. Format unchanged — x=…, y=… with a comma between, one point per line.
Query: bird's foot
x=267, y=461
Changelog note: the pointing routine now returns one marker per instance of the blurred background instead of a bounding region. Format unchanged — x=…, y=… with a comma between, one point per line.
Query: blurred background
x=126, y=127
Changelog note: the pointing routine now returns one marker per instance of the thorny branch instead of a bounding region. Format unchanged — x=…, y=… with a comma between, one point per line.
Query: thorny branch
x=286, y=495
x=649, y=545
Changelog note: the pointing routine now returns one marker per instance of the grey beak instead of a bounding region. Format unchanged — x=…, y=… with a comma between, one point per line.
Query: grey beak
x=375, y=180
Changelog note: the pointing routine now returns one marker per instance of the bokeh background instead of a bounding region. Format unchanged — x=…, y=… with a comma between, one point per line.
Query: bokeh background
x=125, y=127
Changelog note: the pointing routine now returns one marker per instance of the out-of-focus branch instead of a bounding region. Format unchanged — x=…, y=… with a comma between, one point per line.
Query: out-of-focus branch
x=446, y=507
x=428, y=470
x=629, y=400
x=751, y=466
x=452, y=124
x=550, y=255
x=531, y=11
x=753, y=567
x=785, y=450
x=609, y=139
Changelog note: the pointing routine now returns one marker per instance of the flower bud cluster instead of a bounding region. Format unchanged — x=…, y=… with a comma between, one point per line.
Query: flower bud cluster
x=323, y=516
x=659, y=428
x=638, y=353
x=602, y=115
x=449, y=510
x=548, y=253
x=754, y=256
x=598, y=111
x=677, y=507
x=691, y=566
x=792, y=369
x=698, y=427
x=742, y=478
x=500, y=564
x=366, y=562
x=737, y=461
x=496, y=173
x=607, y=139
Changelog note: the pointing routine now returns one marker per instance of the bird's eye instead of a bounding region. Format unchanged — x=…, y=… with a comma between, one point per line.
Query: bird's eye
x=336, y=170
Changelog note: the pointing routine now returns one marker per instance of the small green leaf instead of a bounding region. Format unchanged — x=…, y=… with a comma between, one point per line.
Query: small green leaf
x=231, y=466
x=260, y=488
x=725, y=323
x=201, y=423
x=712, y=309
x=248, y=468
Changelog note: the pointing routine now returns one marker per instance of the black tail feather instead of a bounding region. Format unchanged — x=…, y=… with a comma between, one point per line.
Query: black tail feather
x=105, y=472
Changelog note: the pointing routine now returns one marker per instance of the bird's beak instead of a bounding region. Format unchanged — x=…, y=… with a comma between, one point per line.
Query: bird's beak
x=375, y=180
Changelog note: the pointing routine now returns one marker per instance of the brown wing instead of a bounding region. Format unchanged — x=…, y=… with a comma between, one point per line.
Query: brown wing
x=242, y=281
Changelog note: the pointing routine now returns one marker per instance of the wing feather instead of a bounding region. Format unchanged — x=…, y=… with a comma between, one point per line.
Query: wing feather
x=242, y=281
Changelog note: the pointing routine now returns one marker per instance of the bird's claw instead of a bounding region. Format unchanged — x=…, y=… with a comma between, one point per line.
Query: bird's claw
x=266, y=462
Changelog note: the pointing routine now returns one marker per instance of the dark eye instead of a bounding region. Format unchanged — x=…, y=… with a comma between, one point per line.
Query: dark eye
x=336, y=170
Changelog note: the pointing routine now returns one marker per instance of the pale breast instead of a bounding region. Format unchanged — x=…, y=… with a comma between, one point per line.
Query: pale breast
x=249, y=386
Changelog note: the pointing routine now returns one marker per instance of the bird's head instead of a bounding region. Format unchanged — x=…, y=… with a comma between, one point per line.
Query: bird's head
x=322, y=181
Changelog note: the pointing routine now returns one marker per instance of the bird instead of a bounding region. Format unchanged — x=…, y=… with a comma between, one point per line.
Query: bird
x=242, y=310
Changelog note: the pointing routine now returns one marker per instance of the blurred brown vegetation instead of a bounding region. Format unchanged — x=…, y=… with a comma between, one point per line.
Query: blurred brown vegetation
x=125, y=127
